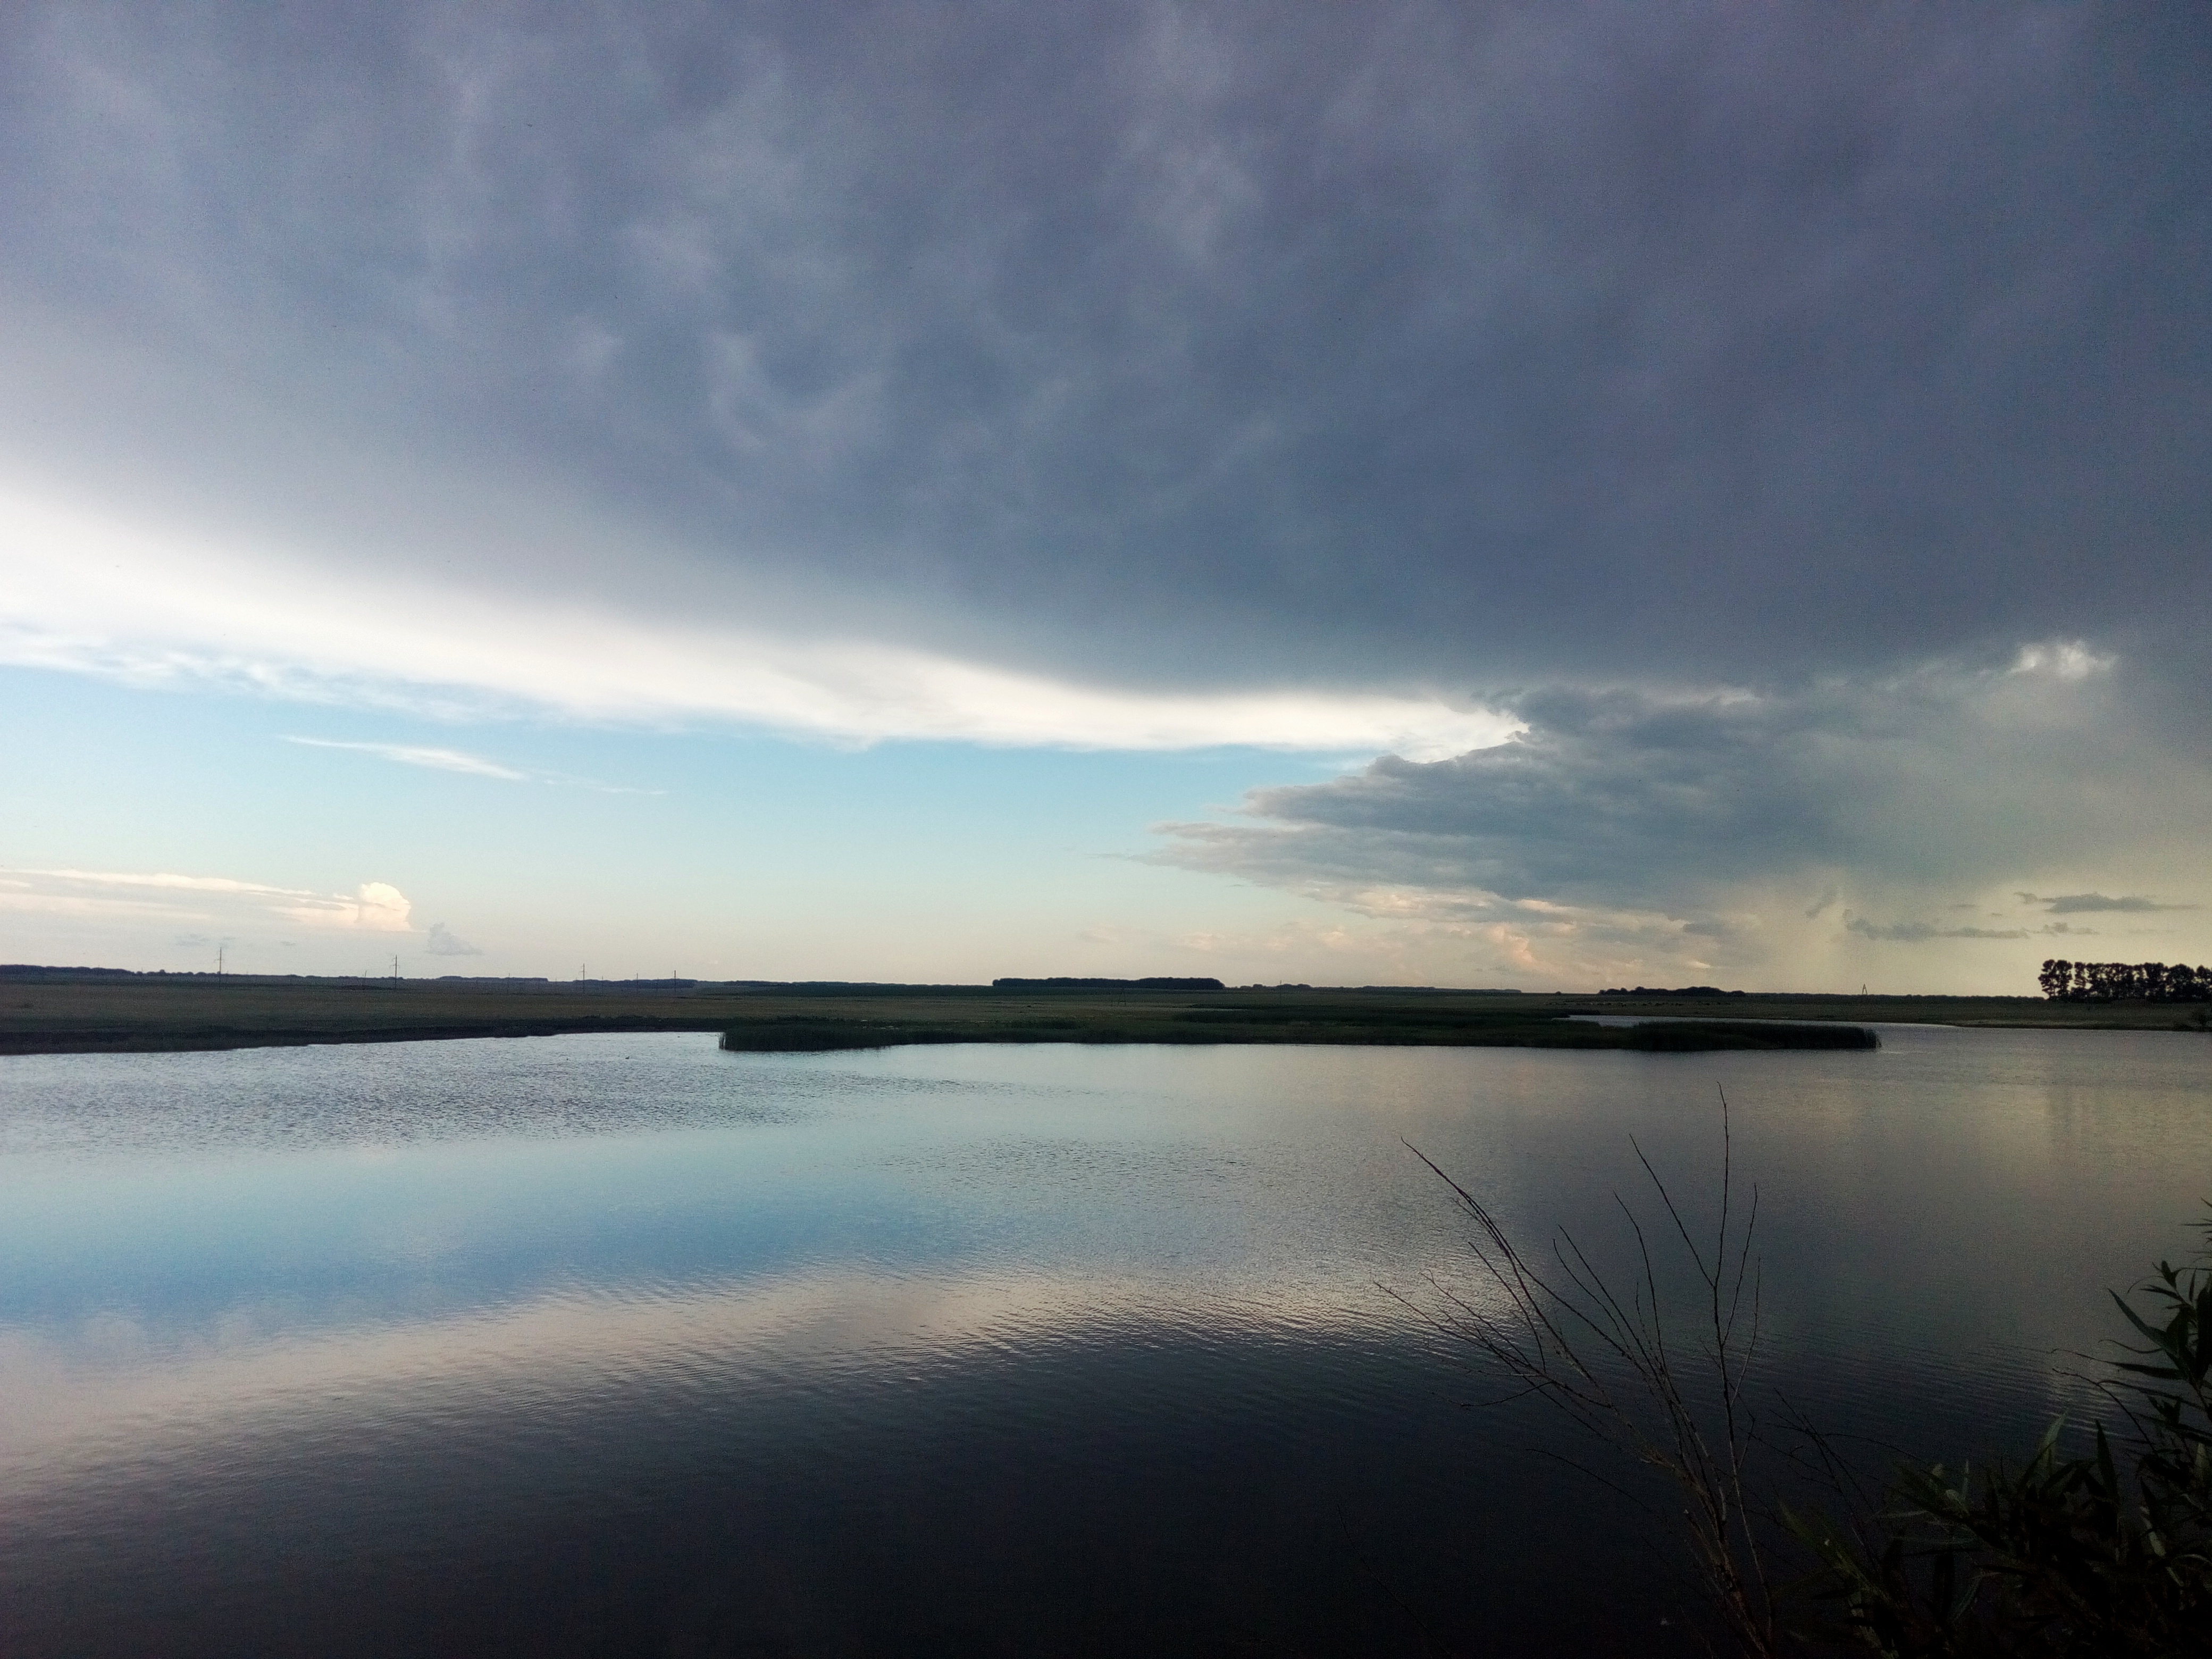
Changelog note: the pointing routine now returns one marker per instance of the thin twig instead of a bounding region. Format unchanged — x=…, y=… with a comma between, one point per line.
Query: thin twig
x=1560, y=1334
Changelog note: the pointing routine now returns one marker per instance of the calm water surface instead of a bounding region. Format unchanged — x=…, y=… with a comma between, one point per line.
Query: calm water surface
x=626, y=1345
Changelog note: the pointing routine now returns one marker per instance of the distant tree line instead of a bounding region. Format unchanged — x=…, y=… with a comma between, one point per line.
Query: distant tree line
x=2115, y=982
x=1155, y=983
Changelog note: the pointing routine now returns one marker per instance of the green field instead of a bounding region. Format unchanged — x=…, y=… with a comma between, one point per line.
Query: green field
x=55, y=1011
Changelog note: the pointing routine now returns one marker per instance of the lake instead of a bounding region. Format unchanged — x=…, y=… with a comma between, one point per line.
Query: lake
x=625, y=1346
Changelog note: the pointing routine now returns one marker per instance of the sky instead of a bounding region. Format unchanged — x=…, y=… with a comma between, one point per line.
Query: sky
x=1552, y=496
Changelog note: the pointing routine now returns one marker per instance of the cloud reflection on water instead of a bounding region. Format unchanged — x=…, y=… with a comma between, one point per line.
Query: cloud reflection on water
x=109, y=1393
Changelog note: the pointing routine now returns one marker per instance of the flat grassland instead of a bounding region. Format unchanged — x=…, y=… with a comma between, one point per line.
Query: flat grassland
x=49, y=1010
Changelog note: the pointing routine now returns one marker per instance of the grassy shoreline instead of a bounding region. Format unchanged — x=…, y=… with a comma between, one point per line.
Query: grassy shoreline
x=1357, y=1024
x=48, y=1010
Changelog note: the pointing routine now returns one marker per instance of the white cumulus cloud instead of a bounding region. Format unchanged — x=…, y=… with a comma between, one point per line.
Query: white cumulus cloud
x=375, y=907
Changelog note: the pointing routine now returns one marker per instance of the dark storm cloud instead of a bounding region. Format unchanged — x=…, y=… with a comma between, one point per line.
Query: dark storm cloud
x=2073, y=904
x=1464, y=346
x=1916, y=933
x=1626, y=801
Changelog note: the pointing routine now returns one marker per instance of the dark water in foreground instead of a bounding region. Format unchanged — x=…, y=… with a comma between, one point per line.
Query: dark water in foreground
x=626, y=1345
